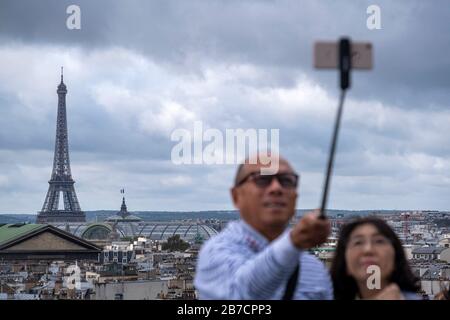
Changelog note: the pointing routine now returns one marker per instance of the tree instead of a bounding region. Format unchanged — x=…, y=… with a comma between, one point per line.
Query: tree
x=175, y=243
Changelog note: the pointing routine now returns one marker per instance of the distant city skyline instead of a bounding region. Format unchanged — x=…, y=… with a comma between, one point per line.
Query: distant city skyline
x=137, y=72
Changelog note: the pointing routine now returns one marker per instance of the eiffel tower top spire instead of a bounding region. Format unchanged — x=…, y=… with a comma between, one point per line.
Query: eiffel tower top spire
x=62, y=89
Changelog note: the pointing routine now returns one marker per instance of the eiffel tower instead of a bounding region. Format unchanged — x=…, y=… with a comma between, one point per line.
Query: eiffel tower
x=61, y=182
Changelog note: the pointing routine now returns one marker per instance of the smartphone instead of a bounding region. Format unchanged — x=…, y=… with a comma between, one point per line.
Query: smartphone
x=326, y=55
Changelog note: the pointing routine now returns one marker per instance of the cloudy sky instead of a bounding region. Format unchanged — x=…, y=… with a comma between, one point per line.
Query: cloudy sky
x=138, y=70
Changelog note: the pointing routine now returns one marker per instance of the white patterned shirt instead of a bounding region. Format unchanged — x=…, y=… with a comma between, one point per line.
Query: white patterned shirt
x=239, y=263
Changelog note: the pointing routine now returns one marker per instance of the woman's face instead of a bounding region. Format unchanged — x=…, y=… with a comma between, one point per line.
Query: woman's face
x=367, y=247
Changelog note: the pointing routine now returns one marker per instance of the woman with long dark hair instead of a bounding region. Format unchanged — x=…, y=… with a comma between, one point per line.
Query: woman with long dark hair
x=368, y=248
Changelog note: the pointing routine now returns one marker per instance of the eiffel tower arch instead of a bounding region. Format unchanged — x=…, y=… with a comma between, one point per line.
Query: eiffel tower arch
x=61, y=184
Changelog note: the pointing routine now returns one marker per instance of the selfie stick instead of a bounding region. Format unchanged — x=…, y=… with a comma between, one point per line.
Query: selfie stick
x=344, y=68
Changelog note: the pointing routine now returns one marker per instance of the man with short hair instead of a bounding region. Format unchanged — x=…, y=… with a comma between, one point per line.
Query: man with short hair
x=256, y=257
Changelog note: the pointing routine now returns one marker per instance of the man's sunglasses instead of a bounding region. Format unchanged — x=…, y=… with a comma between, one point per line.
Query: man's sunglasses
x=286, y=180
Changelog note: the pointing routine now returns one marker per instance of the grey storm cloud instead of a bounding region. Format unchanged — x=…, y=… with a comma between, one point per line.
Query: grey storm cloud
x=411, y=49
